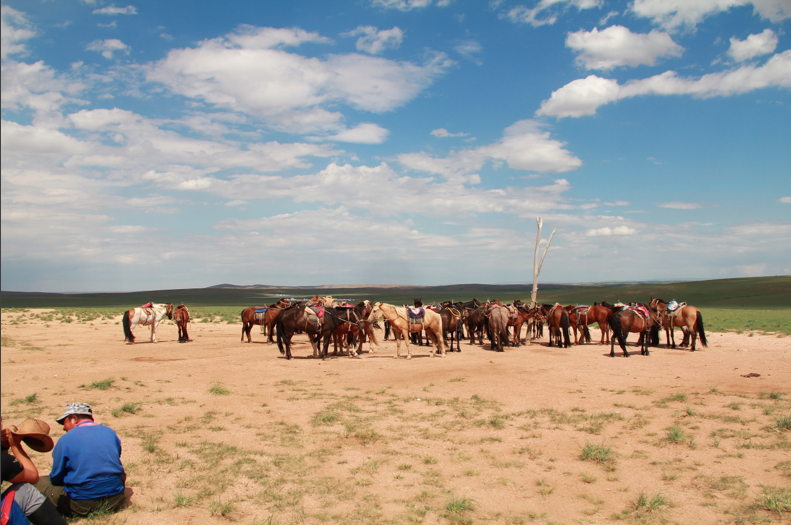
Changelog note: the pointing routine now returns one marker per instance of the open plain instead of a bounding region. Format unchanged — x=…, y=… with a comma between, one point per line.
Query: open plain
x=218, y=431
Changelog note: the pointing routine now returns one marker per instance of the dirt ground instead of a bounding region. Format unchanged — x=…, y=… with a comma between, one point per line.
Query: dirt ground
x=217, y=430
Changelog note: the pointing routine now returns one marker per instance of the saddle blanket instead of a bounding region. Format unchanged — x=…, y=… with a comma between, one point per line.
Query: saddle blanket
x=147, y=305
x=318, y=310
x=416, y=313
x=672, y=306
x=260, y=310
x=642, y=311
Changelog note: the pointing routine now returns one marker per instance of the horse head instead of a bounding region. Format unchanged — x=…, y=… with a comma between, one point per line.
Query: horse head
x=418, y=302
x=169, y=310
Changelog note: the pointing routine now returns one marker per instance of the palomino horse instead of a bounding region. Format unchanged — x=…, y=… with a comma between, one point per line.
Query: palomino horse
x=299, y=317
x=557, y=319
x=687, y=317
x=638, y=319
x=182, y=318
x=266, y=319
x=498, y=327
x=402, y=327
x=146, y=315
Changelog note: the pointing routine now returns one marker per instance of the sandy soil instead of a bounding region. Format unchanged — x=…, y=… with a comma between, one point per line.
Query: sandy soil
x=477, y=436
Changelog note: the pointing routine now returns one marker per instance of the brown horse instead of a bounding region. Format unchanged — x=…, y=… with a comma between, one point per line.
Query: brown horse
x=523, y=315
x=356, y=325
x=632, y=319
x=687, y=317
x=582, y=316
x=451, y=324
x=402, y=327
x=299, y=317
x=476, y=321
x=182, y=318
x=265, y=319
x=558, y=320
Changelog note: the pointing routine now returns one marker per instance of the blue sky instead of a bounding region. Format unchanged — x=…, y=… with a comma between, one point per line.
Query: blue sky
x=157, y=145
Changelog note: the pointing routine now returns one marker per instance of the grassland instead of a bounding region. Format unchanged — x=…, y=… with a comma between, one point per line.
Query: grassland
x=742, y=305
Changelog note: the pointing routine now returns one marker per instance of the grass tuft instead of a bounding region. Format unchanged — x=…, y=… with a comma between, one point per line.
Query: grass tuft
x=218, y=390
x=599, y=454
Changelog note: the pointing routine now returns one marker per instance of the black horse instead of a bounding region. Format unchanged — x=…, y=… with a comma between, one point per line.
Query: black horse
x=298, y=318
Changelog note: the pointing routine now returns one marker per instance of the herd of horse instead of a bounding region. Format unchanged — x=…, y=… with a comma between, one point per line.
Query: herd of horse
x=348, y=326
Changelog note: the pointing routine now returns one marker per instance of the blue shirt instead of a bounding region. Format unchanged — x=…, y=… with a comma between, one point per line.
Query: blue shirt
x=87, y=462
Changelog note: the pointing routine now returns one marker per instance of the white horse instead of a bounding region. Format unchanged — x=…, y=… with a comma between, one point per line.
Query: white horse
x=402, y=327
x=147, y=315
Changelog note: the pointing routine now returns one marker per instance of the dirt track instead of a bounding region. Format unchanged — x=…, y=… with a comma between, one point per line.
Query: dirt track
x=375, y=439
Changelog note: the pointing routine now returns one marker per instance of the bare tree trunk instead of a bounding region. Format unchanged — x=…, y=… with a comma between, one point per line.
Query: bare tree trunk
x=536, y=265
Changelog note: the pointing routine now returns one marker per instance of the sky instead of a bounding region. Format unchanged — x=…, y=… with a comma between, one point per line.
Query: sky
x=181, y=144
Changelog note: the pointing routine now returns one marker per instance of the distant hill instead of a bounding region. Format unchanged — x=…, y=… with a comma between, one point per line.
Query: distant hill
x=755, y=292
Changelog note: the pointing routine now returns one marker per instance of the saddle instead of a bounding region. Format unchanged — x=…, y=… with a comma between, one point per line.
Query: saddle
x=415, y=315
x=147, y=305
x=314, y=314
x=642, y=311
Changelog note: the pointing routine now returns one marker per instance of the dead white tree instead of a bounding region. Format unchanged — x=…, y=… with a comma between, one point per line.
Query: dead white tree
x=536, y=264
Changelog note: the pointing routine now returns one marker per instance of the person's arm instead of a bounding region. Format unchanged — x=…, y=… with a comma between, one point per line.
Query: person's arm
x=58, y=471
x=29, y=473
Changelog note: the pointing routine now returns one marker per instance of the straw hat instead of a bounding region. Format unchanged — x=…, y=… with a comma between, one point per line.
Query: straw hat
x=35, y=434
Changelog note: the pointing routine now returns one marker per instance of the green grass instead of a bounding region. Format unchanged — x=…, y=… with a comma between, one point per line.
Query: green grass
x=599, y=454
x=101, y=385
x=127, y=408
x=29, y=400
x=218, y=390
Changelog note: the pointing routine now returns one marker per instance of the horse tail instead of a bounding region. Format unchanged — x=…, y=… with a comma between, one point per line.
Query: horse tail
x=617, y=329
x=281, y=329
x=699, y=328
x=564, y=322
x=128, y=335
x=654, y=339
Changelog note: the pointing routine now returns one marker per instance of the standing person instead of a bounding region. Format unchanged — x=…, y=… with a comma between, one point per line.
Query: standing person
x=20, y=471
x=87, y=473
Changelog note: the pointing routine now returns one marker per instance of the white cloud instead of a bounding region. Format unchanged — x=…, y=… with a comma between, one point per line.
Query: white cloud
x=35, y=86
x=547, y=12
x=108, y=47
x=374, y=41
x=113, y=10
x=687, y=14
x=404, y=5
x=523, y=147
x=785, y=200
x=683, y=205
x=287, y=88
x=14, y=29
x=755, y=45
x=617, y=46
x=469, y=49
x=444, y=133
x=365, y=133
x=580, y=97
x=608, y=231
x=583, y=96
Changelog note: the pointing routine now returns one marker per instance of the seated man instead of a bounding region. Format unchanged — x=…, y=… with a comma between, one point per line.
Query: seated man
x=87, y=473
x=18, y=469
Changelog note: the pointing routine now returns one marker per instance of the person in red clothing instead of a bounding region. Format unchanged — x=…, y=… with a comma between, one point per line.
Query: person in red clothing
x=87, y=473
x=19, y=470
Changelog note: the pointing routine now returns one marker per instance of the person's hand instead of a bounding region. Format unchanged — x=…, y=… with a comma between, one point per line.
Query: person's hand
x=6, y=438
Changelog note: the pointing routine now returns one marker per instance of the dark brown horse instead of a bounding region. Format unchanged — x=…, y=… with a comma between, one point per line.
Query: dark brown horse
x=265, y=319
x=298, y=317
x=451, y=324
x=476, y=321
x=182, y=318
x=558, y=321
x=687, y=317
x=632, y=319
